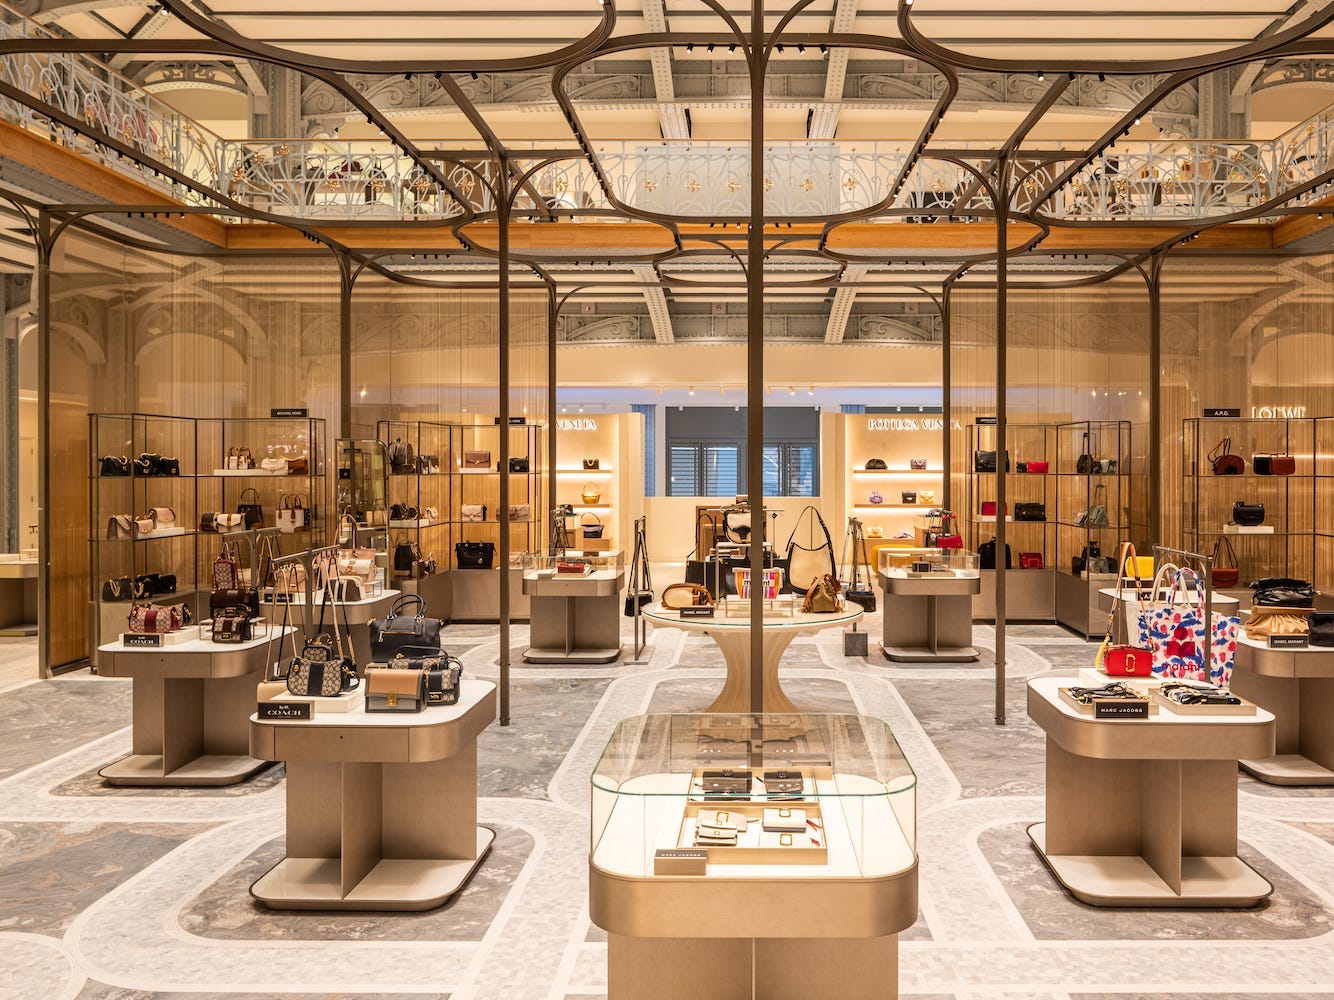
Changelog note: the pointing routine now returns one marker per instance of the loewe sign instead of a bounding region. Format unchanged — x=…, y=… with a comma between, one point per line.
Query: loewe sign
x=577, y=424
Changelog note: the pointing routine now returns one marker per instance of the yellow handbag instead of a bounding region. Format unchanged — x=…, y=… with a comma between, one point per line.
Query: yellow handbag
x=591, y=493
x=926, y=498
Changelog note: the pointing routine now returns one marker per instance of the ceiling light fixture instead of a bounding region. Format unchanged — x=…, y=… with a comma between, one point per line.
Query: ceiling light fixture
x=1041, y=76
x=692, y=391
x=690, y=46
x=791, y=391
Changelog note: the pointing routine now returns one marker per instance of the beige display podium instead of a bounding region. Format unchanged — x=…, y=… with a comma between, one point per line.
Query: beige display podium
x=359, y=615
x=575, y=619
x=1143, y=812
x=1297, y=686
x=733, y=638
x=18, y=595
x=381, y=807
x=929, y=618
x=192, y=701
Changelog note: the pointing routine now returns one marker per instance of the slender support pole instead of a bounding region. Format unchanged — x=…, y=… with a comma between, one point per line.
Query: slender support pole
x=44, y=250
x=553, y=317
x=1155, y=399
x=1002, y=203
x=755, y=353
x=502, y=513
x=946, y=403
x=346, y=280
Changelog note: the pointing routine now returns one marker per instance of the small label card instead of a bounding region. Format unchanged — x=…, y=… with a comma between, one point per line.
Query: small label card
x=285, y=711
x=680, y=861
x=697, y=611
x=279, y=412
x=1110, y=709
x=515, y=421
x=140, y=640
x=1222, y=412
x=985, y=421
x=1289, y=641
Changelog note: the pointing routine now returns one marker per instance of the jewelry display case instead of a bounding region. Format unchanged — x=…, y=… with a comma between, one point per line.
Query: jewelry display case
x=710, y=833
x=574, y=601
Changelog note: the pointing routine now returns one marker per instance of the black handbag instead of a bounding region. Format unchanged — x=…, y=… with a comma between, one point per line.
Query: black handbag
x=1030, y=512
x=119, y=589
x=168, y=467
x=402, y=512
x=1321, y=628
x=1248, y=514
x=252, y=512
x=1085, y=465
x=443, y=672
x=590, y=529
x=147, y=464
x=1282, y=592
x=110, y=465
x=876, y=464
x=401, y=458
x=247, y=597
x=146, y=586
x=518, y=465
x=475, y=555
x=406, y=556
x=986, y=554
x=397, y=631
x=1080, y=562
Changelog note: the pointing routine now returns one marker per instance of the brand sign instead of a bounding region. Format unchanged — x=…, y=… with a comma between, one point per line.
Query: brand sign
x=908, y=424
x=1214, y=412
x=1121, y=709
x=288, y=411
x=985, y=421
x=1278, y=412
x=697, y=611
x=131, y=639
x=512, y=420
x=1289, y=641
x=576, y=424
x=283, y=711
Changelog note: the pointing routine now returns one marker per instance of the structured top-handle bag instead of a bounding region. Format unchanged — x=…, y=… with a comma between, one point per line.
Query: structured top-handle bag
x=252, y=510
x=1115, y=657
x=1085, y=465
x=590, y=529
x=397, y=630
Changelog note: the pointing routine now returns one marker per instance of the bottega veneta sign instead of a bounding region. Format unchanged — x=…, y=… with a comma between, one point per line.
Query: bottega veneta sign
x=576, y=424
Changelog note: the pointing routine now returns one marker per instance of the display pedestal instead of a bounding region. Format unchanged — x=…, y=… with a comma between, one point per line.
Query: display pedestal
x=733, y=638
x=930, y=618
x=1079, y=602
x=381, y=808
x=1143, y=812
x=359, y=615
x=18, y=596
x=475, y=595
x=1030, y=596
x=191, y=705
x=752, y=968
x=574, y=619
x=1297, y=686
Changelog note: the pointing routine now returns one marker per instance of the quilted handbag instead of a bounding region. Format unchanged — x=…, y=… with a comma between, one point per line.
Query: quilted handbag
x=397, y=630
x=1223, y=462
x=1184, y=645
x=110, y=465
x=120, y=588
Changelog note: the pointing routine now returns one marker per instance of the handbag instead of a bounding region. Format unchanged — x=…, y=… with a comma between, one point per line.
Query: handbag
x=807, y=564
x=1248, y=515
x=252, y=512
x=520, y=512
x=120, y=588
x=1096, y=515
x=110, y=465
x=292, y=512
x=477, y=460
x=232, y=626
x=518, y=465
x=1321, y=625
x=274, y=466
x=876, y=465
x=228, y=522
x=639, y=589
x=473, y=512
x=148, y=464
x=298, y=466
x=226, y=572
x=1266, y=621
x=736, y=525
x=120, y=526
x=926, y=498
x=917, y=464
x=402, y=512
x=1030, y=512
x=986, y=555
x=1107, y=466
x=475, y=555
x=146, y=586
x=686, y=595
x=908, y=497
x=1035, y=468
x=390, y=690
x=1123, y=659
x=949, y=541
x=989, y=508
x=1220, y=575
x=1078, y=563
x=854, y=592
x=1031, y=560
x=162, y=515
x=592, y=463
x=1223, y=462
x=405, y=559
x=240, y=459
x=593, y=530
x=397, y=630
x=1282, y=592
x=145, y=526
x=325, y=667
x=875, y=496
x=985, y=461
x=402, y=462
x=1273, y=465
x=1084, y=465
x=823, y=596
x=158, y=619
x=590, y=493
x=442, y=682
x=234, y=597
x=1185, y=646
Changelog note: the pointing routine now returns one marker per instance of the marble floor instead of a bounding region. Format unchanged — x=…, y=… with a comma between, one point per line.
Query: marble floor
x=123, y=894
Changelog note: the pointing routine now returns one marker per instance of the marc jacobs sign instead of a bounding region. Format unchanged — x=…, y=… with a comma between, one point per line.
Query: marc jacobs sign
x=576, y=424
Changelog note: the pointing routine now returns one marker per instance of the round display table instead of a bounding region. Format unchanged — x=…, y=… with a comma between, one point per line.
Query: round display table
x=381, y=807
x=191, y=703
x=1143, y=812
x=733, y=638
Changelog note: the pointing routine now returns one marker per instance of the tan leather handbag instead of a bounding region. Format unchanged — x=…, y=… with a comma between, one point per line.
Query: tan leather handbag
x=823, y=597
x=685, y=595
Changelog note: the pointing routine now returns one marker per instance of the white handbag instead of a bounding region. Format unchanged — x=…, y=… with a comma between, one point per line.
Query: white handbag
x=473, y=512
x=292, y=514
x=229, y=522
x=276, y=466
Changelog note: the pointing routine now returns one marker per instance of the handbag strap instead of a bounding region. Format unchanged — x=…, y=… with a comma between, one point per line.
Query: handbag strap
x=589, y=513
x=1224, y=447
x=1224, y=544
x=249, y=489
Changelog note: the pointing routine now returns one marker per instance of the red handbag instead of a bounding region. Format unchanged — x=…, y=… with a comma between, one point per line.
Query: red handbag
x=1030, y=560
x=1224, y=576
x=1036, y=467
x=989, y=508
x=949, y=542
x=1121, y=659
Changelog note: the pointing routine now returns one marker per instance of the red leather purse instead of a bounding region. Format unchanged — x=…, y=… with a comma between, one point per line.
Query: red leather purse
x=1036, y=467
x=949, y=542
x=1118, y=659
x=1030, y=560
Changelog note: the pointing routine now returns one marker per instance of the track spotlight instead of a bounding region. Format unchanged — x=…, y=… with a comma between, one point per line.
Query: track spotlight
x=1041, y=75
x=824, y=49
x=690, y=46
x=732, y=47
x=1137, y=119
x=407, y=76
x=780, y=47
x=1102, y=77
x=801, y=47
x=437, y=76
x=709, y=47
x=473, y=74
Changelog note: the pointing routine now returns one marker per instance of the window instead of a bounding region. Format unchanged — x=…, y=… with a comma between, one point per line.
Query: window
x=704, y=470
x=789, y=470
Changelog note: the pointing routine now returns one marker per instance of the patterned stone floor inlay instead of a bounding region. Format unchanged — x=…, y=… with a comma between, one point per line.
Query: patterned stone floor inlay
x=142, y=894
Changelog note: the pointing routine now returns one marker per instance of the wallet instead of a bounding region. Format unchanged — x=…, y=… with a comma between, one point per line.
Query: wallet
x=784, y=820
x=729, y=782
x=783, y=783
x=719, y=822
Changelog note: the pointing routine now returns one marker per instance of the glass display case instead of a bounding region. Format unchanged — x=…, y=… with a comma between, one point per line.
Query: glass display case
x=922, y=563
x=753, y=796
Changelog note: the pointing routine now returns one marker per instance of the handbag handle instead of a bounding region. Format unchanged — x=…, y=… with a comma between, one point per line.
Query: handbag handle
x=406, y=599
x=248, y=489
x=1224, y=447
x=589, y=513
x=1224, y=542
